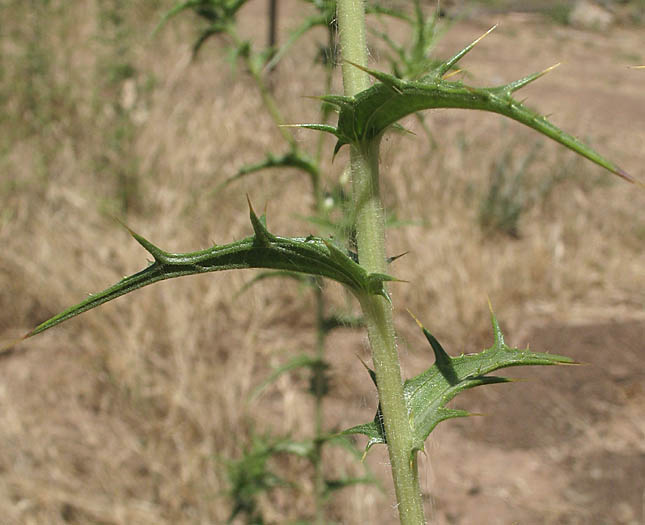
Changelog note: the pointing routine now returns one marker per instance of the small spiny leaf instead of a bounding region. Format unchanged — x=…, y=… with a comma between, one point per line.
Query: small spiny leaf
x=428, y=393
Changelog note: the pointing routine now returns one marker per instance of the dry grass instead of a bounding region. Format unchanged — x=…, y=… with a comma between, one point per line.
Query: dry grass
x=125, y=414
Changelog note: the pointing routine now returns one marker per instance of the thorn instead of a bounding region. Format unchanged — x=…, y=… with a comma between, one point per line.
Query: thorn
x=363, y=362
x=371, y=372
x=335, y=100
x=497, y=332
x=442, y=359
x=636, y=67
x=386, y=79
x=445, y=67
x=248, y=200
x=415, y=318
x=628, y=177
x=395, y=257
x=572, y=363
x=400, y=128
x=262, y=235
x=452, y=73
x=490, y=305
x=337, y=147
x=363, y=68
x=519, y=84
x=158, y=254
x=7, y=348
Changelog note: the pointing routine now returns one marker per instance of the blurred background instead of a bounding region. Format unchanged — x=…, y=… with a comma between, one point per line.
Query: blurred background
x=141, y=411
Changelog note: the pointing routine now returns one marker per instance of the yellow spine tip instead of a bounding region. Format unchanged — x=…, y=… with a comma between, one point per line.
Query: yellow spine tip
x=551, y=68
x=490, y=305
x=452, y=73
x=486, y=34
x=7, y=348
x=415, y=318
x=248, y=200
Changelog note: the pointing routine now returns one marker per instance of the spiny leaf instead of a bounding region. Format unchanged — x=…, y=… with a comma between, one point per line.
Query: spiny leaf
x=308, y=255
x=365, y=116
x=316, y=127
x=428, y=393
x=174, y=11
x=219, y=14
x=292, y=159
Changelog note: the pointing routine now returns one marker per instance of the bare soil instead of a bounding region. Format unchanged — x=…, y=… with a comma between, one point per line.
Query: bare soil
x=563, y=447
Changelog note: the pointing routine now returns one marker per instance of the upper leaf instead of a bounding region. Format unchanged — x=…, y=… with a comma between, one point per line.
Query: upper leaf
x=366, y=115
x=428, y=393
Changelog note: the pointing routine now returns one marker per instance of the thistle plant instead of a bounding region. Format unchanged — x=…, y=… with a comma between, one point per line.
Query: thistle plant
x=410, y=409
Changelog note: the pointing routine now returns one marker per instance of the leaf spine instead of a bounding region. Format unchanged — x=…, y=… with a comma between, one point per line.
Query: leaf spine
x=445, y=67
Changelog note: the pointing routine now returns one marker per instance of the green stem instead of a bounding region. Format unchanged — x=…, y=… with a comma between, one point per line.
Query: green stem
x=353, y=44
x=319, y=477
x=267, y=98
x=370, y=236
x=317, y=460
x=329, y=78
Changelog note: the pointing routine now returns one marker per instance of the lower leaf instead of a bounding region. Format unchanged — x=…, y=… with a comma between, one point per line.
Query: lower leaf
x=428, y=393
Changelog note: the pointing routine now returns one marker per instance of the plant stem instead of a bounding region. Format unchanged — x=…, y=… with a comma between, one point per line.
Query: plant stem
x=319, y=476
x=370, y=234
x=353, y=44
x=267, y=98
x=318, y=392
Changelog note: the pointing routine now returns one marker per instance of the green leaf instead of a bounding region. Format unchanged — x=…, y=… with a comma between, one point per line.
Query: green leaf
x=293, y=159
x=428, y=393
x=174, y=11
x=365, y=116
x=219, y=14
x=251, y=476
x=308, y=255
x=299, y=361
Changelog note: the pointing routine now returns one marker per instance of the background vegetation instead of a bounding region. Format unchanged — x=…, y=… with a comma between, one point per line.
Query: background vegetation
x=134, y=413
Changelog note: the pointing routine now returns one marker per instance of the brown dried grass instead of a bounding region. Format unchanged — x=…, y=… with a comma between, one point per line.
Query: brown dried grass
x=125, y=414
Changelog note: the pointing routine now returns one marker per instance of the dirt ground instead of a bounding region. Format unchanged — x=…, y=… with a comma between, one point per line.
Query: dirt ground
x=565, y=447
x=127, y=414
